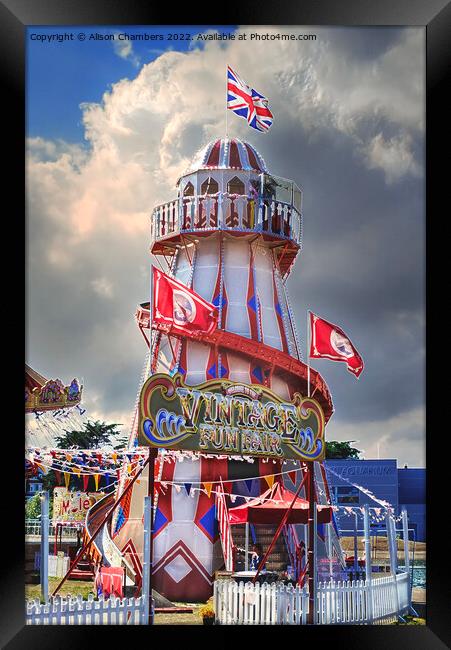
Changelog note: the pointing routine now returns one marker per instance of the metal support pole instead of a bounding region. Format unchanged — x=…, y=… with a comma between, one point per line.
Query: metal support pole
x=246, y=547
x=329, y=549
x=368, y=572
x=311, y=544
x=146, y=595
x=391, y=549
x=44, y=570
x=150, y=492
x=356, y=549
x=405, y=537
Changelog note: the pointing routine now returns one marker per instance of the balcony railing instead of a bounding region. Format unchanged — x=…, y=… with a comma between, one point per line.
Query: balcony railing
x=226, y=212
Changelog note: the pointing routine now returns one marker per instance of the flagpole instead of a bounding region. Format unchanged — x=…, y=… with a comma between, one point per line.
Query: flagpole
x=150, y=315
x=308, y=352
x=226, y=102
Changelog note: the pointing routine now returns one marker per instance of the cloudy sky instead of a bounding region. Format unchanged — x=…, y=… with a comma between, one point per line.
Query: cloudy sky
x=112, y=124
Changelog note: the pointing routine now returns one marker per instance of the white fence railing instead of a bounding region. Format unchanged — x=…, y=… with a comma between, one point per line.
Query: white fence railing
x=337, y=603
x=33, y=527
x=76, y=611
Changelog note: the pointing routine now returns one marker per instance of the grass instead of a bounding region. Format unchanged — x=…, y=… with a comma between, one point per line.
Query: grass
x=181, y=619
x=72, y=587
x=411, y=620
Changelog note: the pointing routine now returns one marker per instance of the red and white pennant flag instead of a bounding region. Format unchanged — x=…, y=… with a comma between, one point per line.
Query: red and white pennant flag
x=328, y=341
x=177, y=309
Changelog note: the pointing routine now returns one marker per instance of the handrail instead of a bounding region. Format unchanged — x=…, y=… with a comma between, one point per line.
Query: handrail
x=224, y=211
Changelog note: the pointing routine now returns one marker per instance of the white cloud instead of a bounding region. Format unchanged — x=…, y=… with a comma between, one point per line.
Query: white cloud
x=124, y=49
x=103, y=287
x=395, y=437
x=393, y=156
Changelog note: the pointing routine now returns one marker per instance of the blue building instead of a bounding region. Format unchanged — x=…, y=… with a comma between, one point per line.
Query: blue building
x=412, y=495
x=399, y=487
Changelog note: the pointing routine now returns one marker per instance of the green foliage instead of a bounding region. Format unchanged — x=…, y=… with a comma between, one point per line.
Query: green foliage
x=92, y=436
x=33, y=507
x=340, y=450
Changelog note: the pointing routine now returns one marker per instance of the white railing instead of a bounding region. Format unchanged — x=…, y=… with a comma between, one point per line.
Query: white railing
x=225, y=211
x=76, y=611
x=337, y=603
x=259, y=604
x=33, y=527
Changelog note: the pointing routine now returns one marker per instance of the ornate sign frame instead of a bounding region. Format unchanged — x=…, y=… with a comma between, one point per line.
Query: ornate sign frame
x=225, y=417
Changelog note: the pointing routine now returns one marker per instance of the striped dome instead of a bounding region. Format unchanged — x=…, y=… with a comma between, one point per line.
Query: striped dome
x=226, y=153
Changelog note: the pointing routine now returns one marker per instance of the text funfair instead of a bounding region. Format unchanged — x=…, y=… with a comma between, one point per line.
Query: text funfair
x=225, y=417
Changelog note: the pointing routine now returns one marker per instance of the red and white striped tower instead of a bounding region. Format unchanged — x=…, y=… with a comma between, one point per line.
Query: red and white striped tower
x=232, y=234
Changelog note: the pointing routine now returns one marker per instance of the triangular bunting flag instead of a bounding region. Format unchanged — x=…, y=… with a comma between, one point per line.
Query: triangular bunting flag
x=57, y=476
x=67, y=479
x=208, y=488
x=188, y=488
x=269, y=479
x=96, y=481
x=249, y=484
x=292, y=476
x=85, y=481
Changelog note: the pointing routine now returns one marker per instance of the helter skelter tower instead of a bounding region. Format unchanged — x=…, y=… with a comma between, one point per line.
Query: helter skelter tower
x=232, y=234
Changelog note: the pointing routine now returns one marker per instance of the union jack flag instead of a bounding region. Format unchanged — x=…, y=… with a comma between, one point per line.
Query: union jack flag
x=247, y=102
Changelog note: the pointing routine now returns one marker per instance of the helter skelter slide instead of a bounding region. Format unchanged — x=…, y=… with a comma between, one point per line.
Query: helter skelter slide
x=232, y=236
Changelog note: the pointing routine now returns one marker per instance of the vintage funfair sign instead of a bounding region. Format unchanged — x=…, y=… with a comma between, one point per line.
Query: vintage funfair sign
x=225, y=417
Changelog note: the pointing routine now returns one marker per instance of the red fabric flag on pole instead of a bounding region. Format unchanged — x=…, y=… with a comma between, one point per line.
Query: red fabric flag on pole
x=328, y=341
x=179, y=310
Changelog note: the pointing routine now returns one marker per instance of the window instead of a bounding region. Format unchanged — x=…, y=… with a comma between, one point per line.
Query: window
x=209, y=186
x=346, y=495
x=235, y=186
x=189, y=190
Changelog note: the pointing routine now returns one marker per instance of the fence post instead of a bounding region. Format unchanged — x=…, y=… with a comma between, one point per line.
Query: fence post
x=405, y=538
x=368, y=571
x=393, y=551
x=146, y=595
x=246, y=546
x=44, y=569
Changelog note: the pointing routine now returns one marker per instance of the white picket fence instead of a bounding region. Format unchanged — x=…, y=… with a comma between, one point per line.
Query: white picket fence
x=337, y=603
x=76, y=611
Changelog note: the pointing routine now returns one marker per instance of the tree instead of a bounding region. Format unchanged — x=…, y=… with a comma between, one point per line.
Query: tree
x=341, y=450
x=33, y=507
x=94, y=435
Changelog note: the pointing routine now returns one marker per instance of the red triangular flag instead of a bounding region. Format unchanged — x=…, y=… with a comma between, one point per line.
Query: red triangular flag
x=328, y=341
x=178, y=309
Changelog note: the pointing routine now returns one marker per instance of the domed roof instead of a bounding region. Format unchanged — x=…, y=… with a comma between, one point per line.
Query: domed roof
x=226, y=153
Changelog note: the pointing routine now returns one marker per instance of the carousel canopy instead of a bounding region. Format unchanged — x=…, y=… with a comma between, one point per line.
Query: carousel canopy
x=270, y=507
x=33, y=379
x=43, y=394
